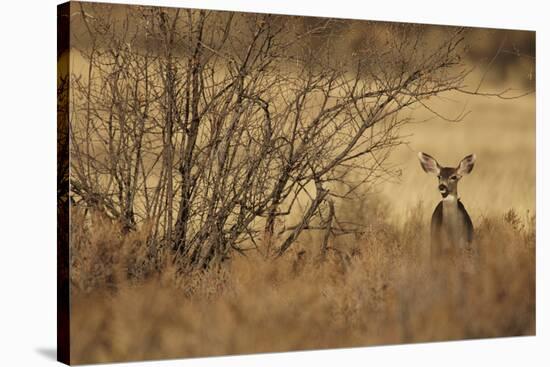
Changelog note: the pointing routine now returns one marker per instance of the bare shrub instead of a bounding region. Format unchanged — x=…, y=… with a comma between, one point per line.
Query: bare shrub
x=225, y=131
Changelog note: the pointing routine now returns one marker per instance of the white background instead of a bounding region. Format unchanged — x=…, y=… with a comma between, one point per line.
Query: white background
x=28, y=179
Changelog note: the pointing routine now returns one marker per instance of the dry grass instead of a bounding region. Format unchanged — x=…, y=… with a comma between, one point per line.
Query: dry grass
x=378, y=289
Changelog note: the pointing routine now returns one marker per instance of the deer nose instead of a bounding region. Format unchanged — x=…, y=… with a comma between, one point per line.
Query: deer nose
x=442, y=187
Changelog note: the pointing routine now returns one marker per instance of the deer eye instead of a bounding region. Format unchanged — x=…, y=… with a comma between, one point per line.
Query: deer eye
x=439, y=177
x=453, y=177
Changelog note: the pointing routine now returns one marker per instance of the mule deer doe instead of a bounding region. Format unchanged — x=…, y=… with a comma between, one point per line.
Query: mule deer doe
x=451, y=227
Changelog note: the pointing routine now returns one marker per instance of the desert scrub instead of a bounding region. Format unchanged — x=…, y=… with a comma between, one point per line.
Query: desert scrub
x=378, y=288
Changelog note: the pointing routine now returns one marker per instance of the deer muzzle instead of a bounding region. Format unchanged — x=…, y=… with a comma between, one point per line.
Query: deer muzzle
x=444, y=190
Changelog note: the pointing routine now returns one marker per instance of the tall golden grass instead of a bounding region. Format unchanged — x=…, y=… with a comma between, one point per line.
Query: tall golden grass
x=379, y=288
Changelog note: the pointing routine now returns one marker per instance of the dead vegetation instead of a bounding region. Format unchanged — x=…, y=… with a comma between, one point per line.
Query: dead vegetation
x=224, y=129
x=232, y=189
x=379, y=289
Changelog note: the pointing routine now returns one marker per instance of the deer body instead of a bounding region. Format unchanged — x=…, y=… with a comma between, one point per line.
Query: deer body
x=451, y=226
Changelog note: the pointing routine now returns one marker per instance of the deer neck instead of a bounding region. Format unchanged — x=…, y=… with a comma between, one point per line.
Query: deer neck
x=451, y=215
x=450, y=200
x=450, y=205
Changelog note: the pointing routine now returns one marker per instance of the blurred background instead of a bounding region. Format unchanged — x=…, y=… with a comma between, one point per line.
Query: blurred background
x=500, y=131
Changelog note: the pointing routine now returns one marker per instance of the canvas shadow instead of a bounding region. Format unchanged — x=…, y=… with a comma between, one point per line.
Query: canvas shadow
x=49, y=353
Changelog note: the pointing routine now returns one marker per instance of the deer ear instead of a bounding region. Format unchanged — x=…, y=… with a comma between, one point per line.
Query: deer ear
x=428, y=163
x=466, y=165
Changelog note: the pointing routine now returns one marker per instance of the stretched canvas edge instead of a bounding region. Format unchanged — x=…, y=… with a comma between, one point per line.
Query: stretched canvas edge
x=63, y=291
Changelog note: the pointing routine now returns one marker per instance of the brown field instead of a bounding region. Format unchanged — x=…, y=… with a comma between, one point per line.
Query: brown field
x=377, y=288
x=383, y=291
x=194, y=231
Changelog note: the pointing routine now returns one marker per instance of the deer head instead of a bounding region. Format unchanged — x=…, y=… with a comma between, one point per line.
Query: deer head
x=448, y=176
